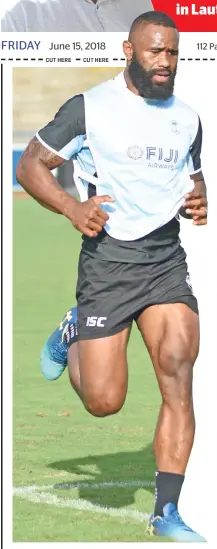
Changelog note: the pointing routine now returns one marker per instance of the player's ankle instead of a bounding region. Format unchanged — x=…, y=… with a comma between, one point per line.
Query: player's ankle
x=168, y=488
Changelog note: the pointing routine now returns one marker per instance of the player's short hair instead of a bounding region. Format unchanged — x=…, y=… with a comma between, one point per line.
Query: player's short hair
x=152, y=18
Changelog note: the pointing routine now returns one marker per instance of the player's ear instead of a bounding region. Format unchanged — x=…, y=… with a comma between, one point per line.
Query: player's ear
x=128, y=50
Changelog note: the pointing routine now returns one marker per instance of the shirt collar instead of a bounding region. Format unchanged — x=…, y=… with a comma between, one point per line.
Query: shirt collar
x=98, y=2
x=120, y=80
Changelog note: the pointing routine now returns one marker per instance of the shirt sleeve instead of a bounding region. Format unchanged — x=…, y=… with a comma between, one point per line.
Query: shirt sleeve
x=66, y=133
x=194, y=156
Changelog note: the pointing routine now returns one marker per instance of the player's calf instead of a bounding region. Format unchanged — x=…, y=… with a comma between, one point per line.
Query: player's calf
x=176, y=425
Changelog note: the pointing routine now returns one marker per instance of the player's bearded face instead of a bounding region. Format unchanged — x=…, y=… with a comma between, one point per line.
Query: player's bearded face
x=142, y=79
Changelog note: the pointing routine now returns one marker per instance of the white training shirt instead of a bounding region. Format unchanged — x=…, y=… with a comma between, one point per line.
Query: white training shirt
x=71, y=15
x=133, y=149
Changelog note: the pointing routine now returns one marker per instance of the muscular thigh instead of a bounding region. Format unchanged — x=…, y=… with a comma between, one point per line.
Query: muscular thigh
x=171, y=334
x=103, y=366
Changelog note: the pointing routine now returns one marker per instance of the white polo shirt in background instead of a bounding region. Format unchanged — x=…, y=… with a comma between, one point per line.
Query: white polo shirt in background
x=71, y=15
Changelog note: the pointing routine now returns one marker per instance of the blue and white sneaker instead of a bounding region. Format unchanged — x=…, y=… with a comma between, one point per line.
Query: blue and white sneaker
x=172, y=526
x=53, y=358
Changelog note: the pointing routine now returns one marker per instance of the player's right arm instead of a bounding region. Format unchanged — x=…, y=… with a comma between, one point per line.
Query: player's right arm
x=33, y=173
x=60, y=140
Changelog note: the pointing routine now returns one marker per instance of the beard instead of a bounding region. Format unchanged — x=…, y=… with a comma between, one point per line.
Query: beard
x=142, y=80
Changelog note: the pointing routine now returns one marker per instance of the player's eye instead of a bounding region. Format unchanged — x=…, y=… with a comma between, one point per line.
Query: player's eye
x=173, y=52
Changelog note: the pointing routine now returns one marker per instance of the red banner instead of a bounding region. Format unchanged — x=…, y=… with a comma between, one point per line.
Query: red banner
x=190, y=16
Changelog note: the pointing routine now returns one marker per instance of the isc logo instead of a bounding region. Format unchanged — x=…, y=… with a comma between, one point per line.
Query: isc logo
x=96, y=321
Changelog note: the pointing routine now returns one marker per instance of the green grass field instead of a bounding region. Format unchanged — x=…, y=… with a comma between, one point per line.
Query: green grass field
x=56, y=442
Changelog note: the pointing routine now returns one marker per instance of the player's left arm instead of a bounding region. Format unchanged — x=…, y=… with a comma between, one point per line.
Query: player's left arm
x=195, y=205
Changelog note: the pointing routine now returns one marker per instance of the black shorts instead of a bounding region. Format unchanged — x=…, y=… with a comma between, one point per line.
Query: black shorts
x=118, y=280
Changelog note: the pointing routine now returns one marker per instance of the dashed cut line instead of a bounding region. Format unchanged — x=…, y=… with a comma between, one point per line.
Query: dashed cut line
x=42, y=494
x=96, y=64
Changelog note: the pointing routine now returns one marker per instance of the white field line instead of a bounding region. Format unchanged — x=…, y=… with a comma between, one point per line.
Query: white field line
x=75, y=484
x=110, y=484
x=42, y=494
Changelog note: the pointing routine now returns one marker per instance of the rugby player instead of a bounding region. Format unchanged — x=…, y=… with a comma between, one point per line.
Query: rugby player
x=132, y=139
x=71, y=15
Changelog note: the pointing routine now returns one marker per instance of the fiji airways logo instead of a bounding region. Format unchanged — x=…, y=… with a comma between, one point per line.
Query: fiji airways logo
x=168, y=156
x=96, y=321
x=135, y=152
x=161, y=155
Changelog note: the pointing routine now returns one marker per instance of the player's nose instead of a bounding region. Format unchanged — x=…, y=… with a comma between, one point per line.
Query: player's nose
x=164, y=60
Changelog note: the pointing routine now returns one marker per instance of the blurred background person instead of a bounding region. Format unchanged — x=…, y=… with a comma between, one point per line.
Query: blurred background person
x=71, y=15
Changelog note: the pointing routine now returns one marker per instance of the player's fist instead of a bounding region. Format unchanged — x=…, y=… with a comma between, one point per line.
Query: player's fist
x=88, y=218
x=196, y=206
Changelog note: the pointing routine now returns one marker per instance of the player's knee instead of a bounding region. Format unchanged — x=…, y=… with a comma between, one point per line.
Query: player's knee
x=103, y=403
x=176, y=367
x=175, y=359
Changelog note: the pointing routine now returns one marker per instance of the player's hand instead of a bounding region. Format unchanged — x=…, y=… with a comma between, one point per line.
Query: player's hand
x=88, y=218
x=196, y=206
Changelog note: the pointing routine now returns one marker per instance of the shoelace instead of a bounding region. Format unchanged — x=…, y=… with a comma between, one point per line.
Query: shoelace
x=57, y=350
